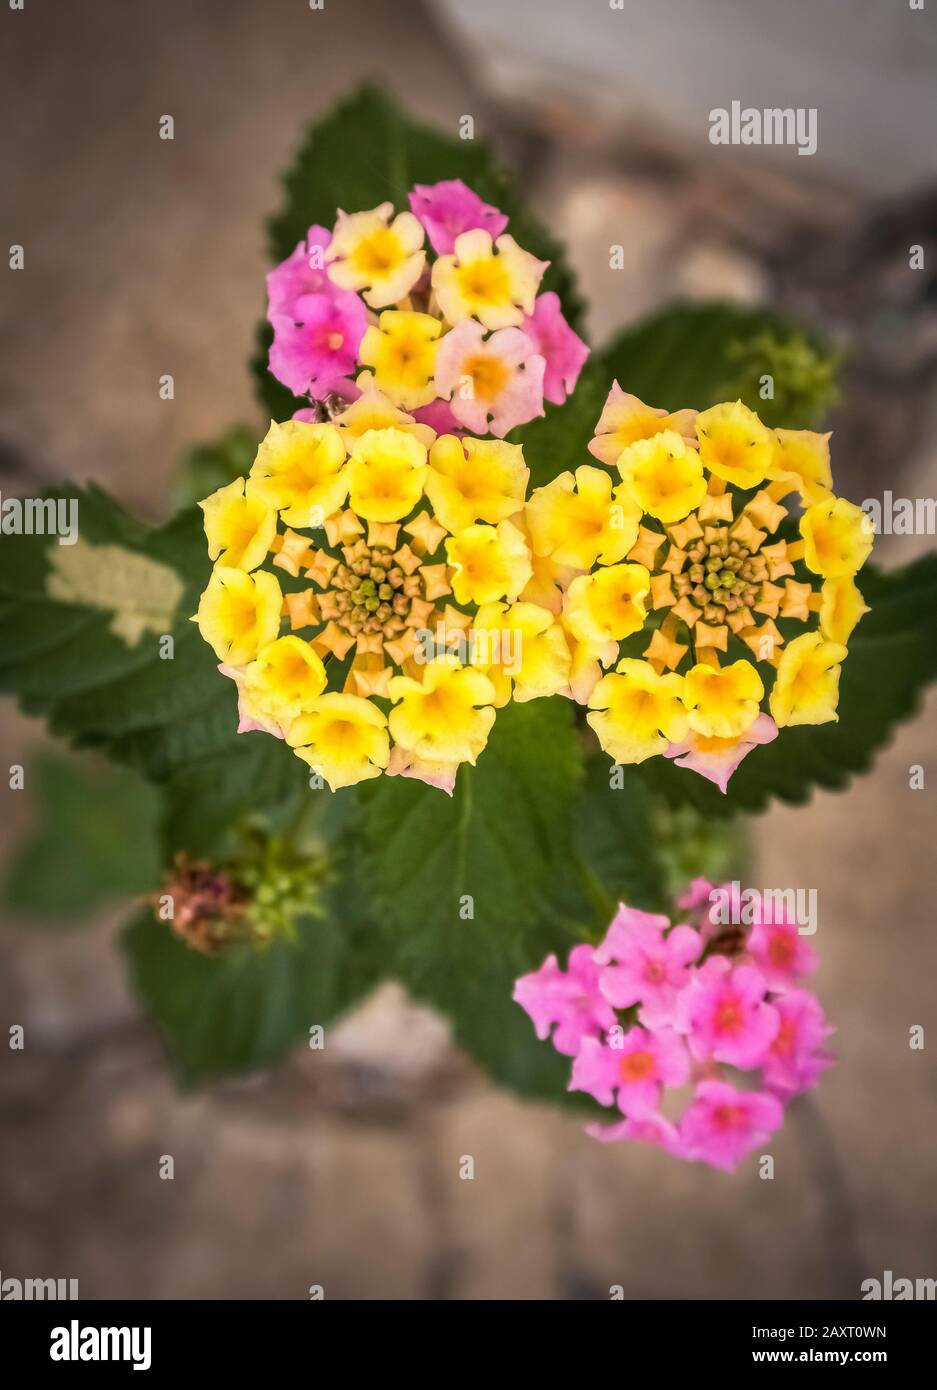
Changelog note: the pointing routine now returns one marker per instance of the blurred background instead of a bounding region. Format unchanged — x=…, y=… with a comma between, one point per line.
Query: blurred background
x=143, y=257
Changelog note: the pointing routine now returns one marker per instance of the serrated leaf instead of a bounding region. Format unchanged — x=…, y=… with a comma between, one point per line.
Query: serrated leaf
x=95, y=840
x=368, y=151
x=686, y=355
x=247, y=1007
x=64, y=660
x=892, y=657
x=500, y=842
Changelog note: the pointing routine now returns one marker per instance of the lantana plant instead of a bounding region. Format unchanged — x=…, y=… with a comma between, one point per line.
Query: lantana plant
x=439, y=564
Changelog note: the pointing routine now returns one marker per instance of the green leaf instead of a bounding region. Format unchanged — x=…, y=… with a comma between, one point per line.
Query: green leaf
x=698, y=354
x=499, y=843
x=368, y=151
x=96, y=839
x=247, y=1007
x=110, y=689
x=506, y=842
x=615, y=835
x=892, y=657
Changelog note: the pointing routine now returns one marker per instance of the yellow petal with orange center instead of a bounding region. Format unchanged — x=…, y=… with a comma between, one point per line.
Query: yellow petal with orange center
x=239, y=613
x=734, y=444
x=837, y=536
x=299, y=470
x=663, y=476
x=343, y=738
x=386, y=474
x=722, y=701
x=608, y=605
x=637, y=713
x=806, y=690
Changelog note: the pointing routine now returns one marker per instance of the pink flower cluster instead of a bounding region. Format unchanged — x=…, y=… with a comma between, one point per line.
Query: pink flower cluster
x=657, y=1008
x=318, y=325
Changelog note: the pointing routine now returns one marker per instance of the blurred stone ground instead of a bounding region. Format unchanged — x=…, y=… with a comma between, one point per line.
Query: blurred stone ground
x=341, y=1168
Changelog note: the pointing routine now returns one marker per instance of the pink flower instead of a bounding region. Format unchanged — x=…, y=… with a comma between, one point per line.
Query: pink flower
x=315, y=348
x=499, y=380
x=438, y=415
x=636, y=1066
x=562, y=349
x=301, y=273
x=568, y=998
x=721, y=1125
x=696, y=894
x=650, y=968
x=717, y=758
x=448, y=209
x=650, y=1129
x=781, y=954
x=724, y=1015
x=795, y=1061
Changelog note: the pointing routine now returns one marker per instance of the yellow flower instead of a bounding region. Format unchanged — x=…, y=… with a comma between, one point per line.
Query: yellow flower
x=579, y=520
x=488, y=563
x=722, y=702
x=636, y=712
x=548, y=580
x=663, y=476
x=626, y=419
x=239, y=613
x=447, y=716
x=520, y=647
x=475, y=480
x=343, y=738
x=475, y=282
x=734, y=444
x=802, y=458
x=239, y=527
x=841, y=607
x=402, y=351
x=373, y=411
x=285, y=679
x=386, y=474
x=369, y=252
x=608, y=605
x=838, y=537
x=807, y=687
x=299, y=471
x=588, y=660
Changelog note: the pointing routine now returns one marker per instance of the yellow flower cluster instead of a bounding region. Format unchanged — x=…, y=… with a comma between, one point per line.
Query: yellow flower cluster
x=396, y=614
x=693, y=554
